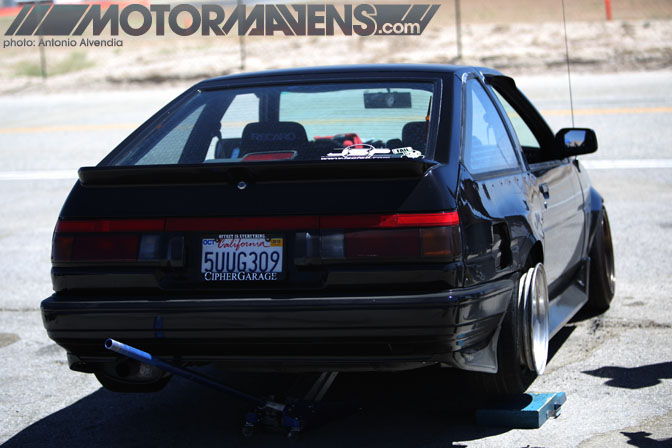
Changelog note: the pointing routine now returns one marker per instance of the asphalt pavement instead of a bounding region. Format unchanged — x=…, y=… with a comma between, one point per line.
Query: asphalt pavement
x=616, y=369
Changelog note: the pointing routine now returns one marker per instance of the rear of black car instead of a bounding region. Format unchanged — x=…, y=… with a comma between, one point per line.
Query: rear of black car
x=263, y=224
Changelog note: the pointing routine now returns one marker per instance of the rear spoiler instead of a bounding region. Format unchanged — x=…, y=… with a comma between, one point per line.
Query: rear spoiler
x=256, y=172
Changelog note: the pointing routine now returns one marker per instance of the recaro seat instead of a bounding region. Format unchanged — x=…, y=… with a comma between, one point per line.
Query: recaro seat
x=273, y=136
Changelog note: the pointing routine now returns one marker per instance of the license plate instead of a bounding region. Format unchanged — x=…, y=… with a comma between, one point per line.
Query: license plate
x=238, y=257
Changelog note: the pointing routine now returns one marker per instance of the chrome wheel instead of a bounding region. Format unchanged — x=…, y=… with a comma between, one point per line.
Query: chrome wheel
x=534, y=309
x=522, y=348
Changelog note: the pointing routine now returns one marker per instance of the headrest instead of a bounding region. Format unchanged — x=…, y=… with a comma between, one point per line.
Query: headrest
x=273, y=136
x=415, y=134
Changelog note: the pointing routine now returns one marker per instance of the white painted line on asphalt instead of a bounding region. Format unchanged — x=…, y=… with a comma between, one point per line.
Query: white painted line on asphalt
x=129, y=126
x=608, y=111
x=627, y=164
x=612, y=164
x=39, y=175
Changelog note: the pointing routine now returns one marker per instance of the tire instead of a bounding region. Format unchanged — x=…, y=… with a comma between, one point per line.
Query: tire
x=602, y=273
x=522, y=349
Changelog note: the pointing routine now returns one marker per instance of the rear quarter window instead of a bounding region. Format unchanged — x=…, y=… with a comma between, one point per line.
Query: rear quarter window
x=488, y=146
x=169, y=148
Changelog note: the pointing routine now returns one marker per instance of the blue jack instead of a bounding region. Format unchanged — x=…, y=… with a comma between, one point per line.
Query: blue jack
x=527, y=411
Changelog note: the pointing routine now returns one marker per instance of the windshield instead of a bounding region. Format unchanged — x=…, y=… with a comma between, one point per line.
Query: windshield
x=291, y=122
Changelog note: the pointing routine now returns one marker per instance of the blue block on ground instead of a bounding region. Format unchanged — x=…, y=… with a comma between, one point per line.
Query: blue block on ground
x=527, y=411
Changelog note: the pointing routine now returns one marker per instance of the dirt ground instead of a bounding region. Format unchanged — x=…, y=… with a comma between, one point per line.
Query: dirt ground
x=527, y=36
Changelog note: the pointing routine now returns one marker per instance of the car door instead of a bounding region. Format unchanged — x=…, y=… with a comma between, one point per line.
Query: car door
x=558, y=180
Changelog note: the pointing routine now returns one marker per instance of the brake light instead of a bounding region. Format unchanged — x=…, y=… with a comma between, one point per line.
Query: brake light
x=427, y=219
x=95, y=247
x=111, y=225
x=242, y=223
x=328, y=238
x=389, y=221
x=266, y=156
x=358, y=222
x=382, y=243
x=381, y=238
x=311, y=222
x=105, y=248
x=110, y=240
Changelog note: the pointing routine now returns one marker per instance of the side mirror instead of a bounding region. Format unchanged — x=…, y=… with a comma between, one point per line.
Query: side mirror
x=575, y=141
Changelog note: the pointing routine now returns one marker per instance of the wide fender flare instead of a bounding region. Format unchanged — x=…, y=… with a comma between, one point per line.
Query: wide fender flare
x=530, y=248
x=594, y=206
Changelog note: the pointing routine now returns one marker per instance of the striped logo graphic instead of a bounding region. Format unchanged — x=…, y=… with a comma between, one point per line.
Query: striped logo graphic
x=261, y=19
x=47, y=20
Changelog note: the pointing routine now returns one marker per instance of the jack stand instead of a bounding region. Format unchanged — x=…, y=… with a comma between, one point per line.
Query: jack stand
x=527, y=411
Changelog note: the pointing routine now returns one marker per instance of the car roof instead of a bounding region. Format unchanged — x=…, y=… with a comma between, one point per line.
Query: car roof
x=350, y=69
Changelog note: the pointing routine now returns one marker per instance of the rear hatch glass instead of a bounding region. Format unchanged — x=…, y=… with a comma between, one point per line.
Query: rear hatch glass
x=284, y=123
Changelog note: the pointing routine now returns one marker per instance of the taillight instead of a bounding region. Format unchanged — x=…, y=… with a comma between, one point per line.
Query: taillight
x=382, y=243
x=110, y=225
x=105, y=248
x=319, y=239
x=107, y=240
x=381, y=238
x=389, y=221
x=440, y=242
x=62, y=248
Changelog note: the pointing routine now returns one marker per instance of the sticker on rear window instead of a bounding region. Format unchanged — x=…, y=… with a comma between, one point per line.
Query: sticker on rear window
x=407, y=151
x=359, y=151
x=365, y=151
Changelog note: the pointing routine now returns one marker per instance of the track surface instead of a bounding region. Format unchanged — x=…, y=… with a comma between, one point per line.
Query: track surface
x=615, y=368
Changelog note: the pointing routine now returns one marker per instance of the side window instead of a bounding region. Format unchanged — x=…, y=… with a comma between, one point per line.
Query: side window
x=169, y=149
x=529, y=143
x=488, y=146
x=244, y=109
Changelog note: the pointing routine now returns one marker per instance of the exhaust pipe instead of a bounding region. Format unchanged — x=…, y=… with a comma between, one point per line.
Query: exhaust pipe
x=144, y=357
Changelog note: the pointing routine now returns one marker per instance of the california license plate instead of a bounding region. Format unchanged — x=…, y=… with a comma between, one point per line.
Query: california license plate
x=242, y=257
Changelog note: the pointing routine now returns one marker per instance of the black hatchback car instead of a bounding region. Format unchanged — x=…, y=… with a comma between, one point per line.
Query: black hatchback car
x=379, y=217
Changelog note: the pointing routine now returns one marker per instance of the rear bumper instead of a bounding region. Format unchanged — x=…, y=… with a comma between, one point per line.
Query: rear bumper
x=287, y=334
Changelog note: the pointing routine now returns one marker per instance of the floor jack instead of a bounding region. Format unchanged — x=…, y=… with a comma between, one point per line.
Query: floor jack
x=292, y=417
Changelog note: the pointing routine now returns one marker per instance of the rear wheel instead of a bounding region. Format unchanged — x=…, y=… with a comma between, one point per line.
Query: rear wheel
x=522, y=350
x=602, y=274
